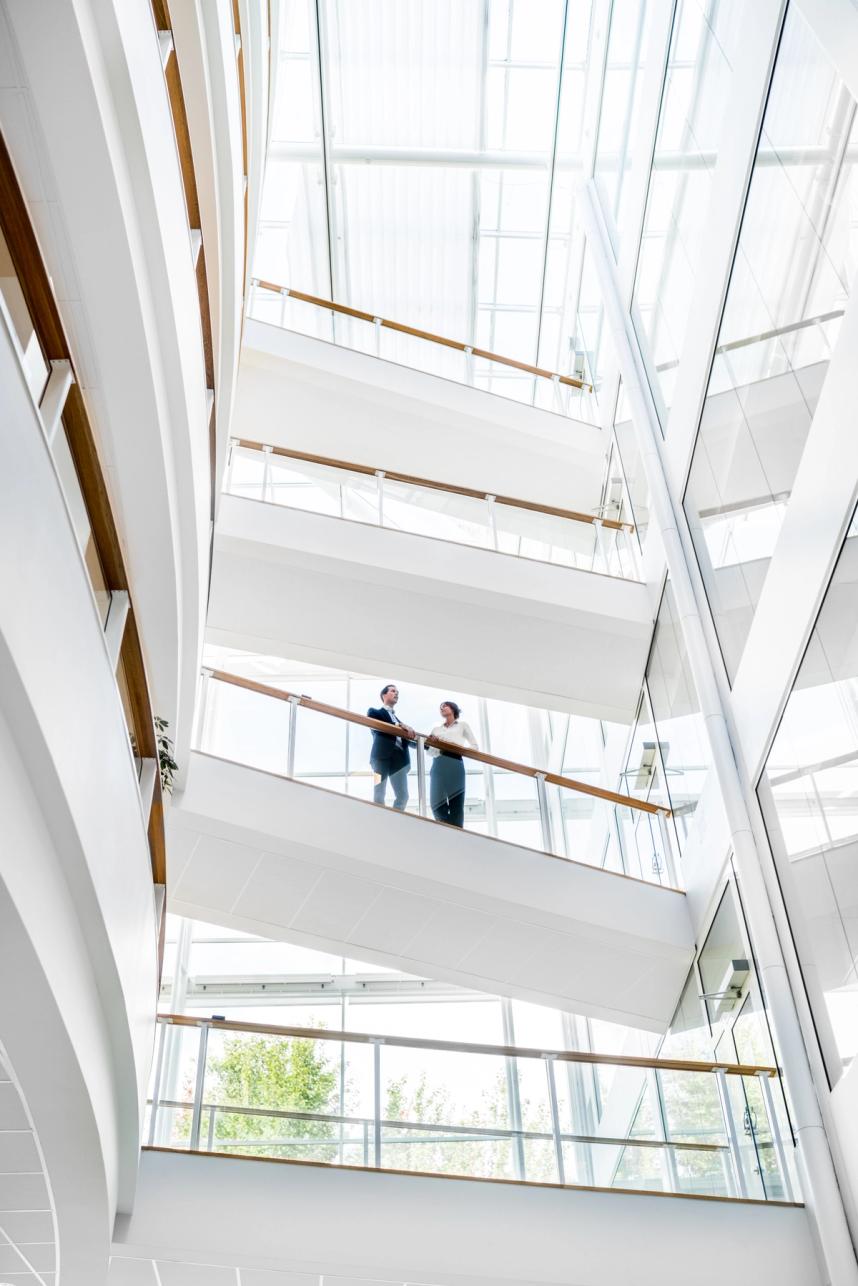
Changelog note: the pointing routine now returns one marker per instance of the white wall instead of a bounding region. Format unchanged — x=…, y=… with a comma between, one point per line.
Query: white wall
x=447, y=1232
x=79, y=968
x=85, y=114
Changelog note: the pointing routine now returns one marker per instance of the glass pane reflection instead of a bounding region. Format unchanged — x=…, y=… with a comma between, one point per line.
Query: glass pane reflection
x=810, y=796
x=686, y=151
x=787, y=293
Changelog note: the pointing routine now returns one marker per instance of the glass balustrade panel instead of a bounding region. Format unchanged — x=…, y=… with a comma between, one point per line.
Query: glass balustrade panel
x=429, y=511
x=245, y=726
x=312, y=1098
x=335, y=754
x=444, y=515
x=246, y=473
x=430, y=356
x=548, y=538
x=174, y=1117
x=453, y=1110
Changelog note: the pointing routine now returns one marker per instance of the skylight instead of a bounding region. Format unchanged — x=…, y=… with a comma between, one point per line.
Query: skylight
x=422, y=166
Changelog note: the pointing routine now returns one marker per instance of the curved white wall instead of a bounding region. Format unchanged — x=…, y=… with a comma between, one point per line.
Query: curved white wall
x=90, y=133
x=78, y=940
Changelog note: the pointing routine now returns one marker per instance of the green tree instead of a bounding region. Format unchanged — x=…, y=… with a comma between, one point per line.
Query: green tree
x=279, y=1075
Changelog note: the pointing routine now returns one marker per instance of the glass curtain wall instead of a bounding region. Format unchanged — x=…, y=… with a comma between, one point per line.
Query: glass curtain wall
x=809, y=794
x=688, y=140
x=788, y=289
x=668, y=755
x=209, y=968
x=628, y=49
x=681, y=740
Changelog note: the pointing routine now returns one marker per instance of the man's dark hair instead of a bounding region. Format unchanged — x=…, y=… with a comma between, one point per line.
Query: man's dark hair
x=457, y=710
x=386, y=688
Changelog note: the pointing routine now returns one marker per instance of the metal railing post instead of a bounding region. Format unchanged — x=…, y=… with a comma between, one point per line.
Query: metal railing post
x=156, y=1087
x=469, y=365
x=555, y=1117
x=376, y=1100
x=266, y=471
x=294, y=703
x=233, y=443
x=732, y=1133
x=599, y=544
x=379, y=483
x=493, y=520
x=668, y=1156
x=544, y=815
x=199, y=1085
x=202, y=708
x=251, y=295
x=667, y=847
x=284, y=295
x=421, y=776
x=376, y=321
x=777, y=1137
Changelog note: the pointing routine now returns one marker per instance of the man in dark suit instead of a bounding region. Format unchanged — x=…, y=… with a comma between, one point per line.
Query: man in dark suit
x=389, y=757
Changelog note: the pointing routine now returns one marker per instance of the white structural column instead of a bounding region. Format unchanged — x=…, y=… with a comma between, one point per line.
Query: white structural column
x=822, y=1192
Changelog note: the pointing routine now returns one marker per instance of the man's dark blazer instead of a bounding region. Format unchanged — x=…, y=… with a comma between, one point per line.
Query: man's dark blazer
x=388, y=754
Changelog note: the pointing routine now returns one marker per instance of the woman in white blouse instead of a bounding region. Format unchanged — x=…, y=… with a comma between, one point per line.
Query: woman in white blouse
x=447, y=781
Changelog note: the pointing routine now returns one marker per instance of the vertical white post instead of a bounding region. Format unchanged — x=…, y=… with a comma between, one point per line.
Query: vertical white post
x=376, y=321
x=732, y=1133
x=544, y=816
x=599, y=548
x=421, y=776
x=54, y=397
x=294, y=702
x=230, y=458
x=493, y=520
x=266, y=471
x=156, y=1087
x=202, y=708
x=469, y=365
x=379, y=489
x=376, y=1102
x=777, y=1137
x=513, y=1092
x=664, y=828
x=555, y=1117
x=668, y=1156
x=284, y=295
x=199, y=1085
x=251, y=297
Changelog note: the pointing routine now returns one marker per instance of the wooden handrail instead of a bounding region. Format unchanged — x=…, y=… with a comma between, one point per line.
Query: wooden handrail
x=468, y=1047
x=359, y=315
x=573, y=515
x=391, y=730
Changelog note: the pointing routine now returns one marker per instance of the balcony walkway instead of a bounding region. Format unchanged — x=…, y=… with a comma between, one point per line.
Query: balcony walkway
x=259, y=852
x=342, y=593
x=204, y=1217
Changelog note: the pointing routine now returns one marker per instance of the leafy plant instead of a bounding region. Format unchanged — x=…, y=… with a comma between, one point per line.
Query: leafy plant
x=166, y=762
